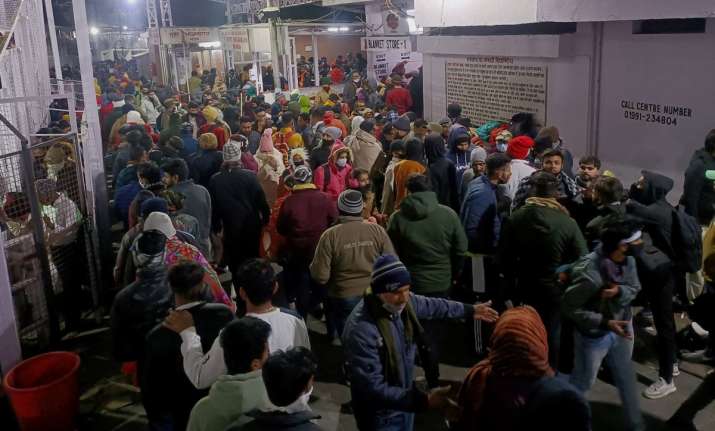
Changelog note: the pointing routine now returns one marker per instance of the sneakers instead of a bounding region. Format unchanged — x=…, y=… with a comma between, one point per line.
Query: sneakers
x=676, y=370
x=699, y=356
x=659, y=389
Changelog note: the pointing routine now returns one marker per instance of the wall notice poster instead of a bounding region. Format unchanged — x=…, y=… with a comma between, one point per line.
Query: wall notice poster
x=495, y=88
x=235, y=39
x=383, y=63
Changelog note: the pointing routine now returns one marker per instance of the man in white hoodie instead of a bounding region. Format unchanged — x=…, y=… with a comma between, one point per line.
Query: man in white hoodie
x=518, y=150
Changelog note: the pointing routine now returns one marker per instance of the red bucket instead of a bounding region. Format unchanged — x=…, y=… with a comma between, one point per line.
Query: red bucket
x=44, y=391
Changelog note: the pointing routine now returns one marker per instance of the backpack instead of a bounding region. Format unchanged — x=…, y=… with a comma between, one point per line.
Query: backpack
x=687, y=241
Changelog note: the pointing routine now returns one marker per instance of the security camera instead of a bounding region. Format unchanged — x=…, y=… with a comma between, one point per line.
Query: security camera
x=269, y=13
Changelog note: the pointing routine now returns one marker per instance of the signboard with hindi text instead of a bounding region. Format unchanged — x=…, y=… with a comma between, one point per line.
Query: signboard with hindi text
x=180, y=35
x=495, y=88
x=235, y=39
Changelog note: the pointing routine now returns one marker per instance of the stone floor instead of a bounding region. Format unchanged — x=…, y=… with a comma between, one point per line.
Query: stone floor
x=111, y=403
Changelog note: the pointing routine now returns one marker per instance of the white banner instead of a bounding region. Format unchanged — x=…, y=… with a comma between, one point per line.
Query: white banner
x=180, y=35
x=384, y=43
x=235, y=39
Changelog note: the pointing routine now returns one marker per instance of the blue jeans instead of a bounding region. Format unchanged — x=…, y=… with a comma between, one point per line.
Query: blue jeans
x=337, y=311
x=589, y=354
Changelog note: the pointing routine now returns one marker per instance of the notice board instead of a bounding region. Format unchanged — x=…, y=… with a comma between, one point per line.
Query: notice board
x=495, y=88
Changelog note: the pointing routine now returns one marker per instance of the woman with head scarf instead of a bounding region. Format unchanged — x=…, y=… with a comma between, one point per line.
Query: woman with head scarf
x=514, y=387
x=270, y=166
x=412, y=164
x=441, y=171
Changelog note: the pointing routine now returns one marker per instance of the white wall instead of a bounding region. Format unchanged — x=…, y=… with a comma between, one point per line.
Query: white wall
x=451, y=13
x=616, y=10
x=448, y=13
x=672, y=69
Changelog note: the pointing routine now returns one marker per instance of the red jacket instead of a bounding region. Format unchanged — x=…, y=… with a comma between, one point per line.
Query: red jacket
x=217, y=130
x=400, y=98
x=305, y=215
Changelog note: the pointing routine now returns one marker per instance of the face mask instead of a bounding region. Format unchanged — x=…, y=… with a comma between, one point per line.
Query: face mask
x=634, y=250
x=299, y=163
x=341, y=162
x=357, y=81
x=501, y=148
x=394, y=309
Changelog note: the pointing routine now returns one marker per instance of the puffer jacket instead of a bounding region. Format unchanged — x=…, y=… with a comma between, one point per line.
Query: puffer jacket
x=698, y=192
x=480, y=217
x=390, y=407
x=331, y=180
x=205, y=165
x=430, y=241
x=582, y=301
x=365, y=148
x=136, y=310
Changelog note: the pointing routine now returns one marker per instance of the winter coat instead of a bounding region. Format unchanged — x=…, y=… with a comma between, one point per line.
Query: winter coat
x=231, y=397
x=240, y=209
x=350, y=93
x=480, y=217
x=319, y=156
x=165, y=387
x=278, y=421
x=191, y=147
x=205, y=165
x=217, y=129
x=345, y=255
x=303, y=218
x=137, y=309
x=372, y=397
x=331, y=180
x=698, y=192
x=650, y=207
x=582, y=301
x=430, y=241
x=534, y=242
x=126, y=176
x=365, y=148
x=400, y=98
x=442, y=172
x=197, y=203
x=123, y=199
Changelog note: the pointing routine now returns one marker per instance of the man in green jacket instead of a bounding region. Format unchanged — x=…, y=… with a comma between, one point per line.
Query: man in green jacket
x=245, y=350
x=431, y=242
x=536, y=240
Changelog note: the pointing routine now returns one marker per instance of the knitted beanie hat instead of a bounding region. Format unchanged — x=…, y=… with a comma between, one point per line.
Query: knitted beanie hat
x=350, y=202
x=333, y=132
x=232, y=151
x=389, y=274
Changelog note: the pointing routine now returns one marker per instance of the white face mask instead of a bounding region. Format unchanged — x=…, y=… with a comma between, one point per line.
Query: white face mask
x=501, y=147
x=394, y=309
x=341, y=162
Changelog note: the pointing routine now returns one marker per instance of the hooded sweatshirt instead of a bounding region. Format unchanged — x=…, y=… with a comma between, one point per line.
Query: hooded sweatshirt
x=413, y=164
x=649, y=205
x=460, y=159
x=430, y=241
x=331, y=179
x=698, y=193
x=442, y=172
x=230, y=397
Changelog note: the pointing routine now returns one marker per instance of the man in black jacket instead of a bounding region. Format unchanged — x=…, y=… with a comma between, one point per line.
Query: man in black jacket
x=167, y=393
x=656, y=271
x=141, y=305
x=698, y=194
x=240, y=210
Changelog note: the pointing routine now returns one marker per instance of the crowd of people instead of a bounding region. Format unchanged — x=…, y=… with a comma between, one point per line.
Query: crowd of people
x=352, y=208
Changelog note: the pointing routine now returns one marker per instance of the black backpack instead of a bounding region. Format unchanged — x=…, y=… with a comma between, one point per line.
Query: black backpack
x=687, y=241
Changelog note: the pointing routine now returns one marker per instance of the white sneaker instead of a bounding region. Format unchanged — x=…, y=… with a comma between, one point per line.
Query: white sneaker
x=659, y=389
x=676, y=370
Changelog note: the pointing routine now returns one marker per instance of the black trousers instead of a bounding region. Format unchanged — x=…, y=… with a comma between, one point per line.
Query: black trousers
x=659, y=292
x=68, y=261
x=434, y=330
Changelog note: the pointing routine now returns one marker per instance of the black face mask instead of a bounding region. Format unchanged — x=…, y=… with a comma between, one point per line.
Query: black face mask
x=634, y=250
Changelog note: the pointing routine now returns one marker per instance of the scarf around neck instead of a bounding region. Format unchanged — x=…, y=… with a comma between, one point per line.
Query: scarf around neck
x=383, y=318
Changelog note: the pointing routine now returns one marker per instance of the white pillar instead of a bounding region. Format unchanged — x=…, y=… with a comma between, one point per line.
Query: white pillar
x=10, y=354
x=49, y=13
x=316, y=59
